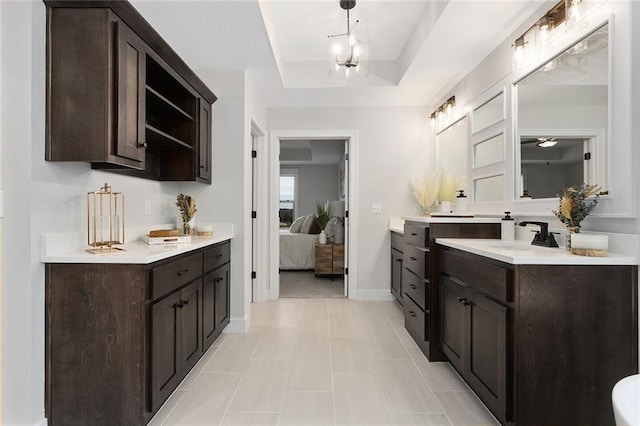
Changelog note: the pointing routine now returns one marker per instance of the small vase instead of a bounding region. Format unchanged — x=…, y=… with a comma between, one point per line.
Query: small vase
x=187, y=228
x=322, y=237
x=570, y=231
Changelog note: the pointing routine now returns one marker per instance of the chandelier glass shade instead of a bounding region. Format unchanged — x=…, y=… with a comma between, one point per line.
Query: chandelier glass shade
x=348, y=50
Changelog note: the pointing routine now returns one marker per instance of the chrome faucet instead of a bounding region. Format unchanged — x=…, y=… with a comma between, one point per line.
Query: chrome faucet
x=543, y=237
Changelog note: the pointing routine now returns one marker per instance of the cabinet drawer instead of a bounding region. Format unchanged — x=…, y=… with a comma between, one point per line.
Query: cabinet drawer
x=493, y=280
x=416, y=288
x=171, y=276
x=416, y=259
x=397, y=242
x=216, y=256
x=414, y=321
x=416, y=234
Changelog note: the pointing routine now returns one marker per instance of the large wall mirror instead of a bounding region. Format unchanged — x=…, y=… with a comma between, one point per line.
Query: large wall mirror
x=563, y=120
x=452, y=154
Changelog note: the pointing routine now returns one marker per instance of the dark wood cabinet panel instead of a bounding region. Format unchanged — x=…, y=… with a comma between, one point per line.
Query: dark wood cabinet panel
x=222, y=289
x=396, y=274
x=165, y=353
x=204, y=151
x=115, y=350
x=576, y=336
x=454, y=322
x=131, y=66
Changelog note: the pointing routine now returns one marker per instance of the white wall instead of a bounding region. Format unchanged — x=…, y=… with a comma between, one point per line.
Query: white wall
x=316, y=184
x=43, y=197
x=393, y=144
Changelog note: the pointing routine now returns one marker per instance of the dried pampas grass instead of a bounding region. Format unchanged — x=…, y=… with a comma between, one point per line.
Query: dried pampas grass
x=426, y=190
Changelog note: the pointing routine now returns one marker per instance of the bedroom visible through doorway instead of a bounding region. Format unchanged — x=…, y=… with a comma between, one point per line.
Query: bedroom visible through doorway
x=312, y=208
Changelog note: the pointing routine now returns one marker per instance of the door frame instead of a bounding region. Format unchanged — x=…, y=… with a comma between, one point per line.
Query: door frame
x=351, y=246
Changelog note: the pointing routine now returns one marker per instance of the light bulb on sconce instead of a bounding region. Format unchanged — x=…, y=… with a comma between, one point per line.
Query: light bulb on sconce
x=518, y=53
x=545, y=25
x=575, y=15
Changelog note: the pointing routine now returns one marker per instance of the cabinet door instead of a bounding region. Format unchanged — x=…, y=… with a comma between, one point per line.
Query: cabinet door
x=204, y=143
x=165, y=356
x=454, y=321
x=131, y=64
x=396, y=274
x=191, y=331
x=222, y=297
x=209, y=329
x=487, y=352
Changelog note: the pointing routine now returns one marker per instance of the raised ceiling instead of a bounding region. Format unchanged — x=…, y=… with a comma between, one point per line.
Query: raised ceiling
x=419, y=48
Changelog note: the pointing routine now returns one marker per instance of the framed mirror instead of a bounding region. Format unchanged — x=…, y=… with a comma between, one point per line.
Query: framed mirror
x=562, y=120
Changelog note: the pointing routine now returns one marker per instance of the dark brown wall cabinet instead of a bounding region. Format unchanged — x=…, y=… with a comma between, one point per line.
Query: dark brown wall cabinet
x=121, y=338
x=420, y=286
x=539, y=344
x=119, y=98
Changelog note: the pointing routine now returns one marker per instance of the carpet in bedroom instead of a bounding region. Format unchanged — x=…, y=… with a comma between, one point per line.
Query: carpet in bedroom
x=306, y=284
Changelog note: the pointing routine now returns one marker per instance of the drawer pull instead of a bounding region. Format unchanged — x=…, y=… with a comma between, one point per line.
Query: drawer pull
x=217, y=280
x=413, y=258
x=182, y=272
x=185, y=303
x=399, y=260
x=413, y=286
x=412, y=314
x=414, y=234
x=178, y=305
x=464, y=301
x=219, y=255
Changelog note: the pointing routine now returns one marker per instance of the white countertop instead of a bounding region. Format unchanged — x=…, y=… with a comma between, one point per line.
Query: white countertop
x=523, y=253
x=444, y=219
x=71, y=247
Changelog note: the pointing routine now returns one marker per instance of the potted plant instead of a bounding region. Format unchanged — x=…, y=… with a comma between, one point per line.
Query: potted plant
x=187, y=206
x=323, y=215
x=575, y=205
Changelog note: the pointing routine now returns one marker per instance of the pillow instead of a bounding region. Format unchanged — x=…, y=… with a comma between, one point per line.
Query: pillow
x=306, y=225
x=315, y=227
x=296, y=225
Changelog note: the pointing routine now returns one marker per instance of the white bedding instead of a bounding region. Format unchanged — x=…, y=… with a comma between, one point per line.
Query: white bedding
x=297, y=251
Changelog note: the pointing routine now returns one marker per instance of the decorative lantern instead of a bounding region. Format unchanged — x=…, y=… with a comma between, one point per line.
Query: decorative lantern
x=105, y=220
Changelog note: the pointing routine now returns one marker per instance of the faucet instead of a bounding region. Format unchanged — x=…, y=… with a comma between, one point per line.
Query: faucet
x=543, y=237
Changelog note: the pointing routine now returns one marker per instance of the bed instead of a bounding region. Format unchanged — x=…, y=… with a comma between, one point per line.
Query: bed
x=297, y=251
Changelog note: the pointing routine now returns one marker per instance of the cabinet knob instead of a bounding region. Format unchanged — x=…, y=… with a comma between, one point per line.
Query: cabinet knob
x=413, y=314
x=142, y=145
x=202, y=166
x=413, y=286
x=398, y=260
x=182, y=272
x=414, y=234
x=185, y=303
x=464, y=301
x=178, y=305
x=413, y=258
x=219, y=255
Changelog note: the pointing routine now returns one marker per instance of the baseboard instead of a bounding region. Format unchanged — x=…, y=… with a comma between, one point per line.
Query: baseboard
x=237, y=325
x=382, y=295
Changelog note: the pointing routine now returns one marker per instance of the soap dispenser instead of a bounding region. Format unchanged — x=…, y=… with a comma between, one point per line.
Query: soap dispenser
x=461, y=202
x=508, y=229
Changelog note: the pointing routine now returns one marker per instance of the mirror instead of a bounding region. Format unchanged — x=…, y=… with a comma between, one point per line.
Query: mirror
x=489, y=113
x=452, y=151
x=563, y=119
x=489, y=188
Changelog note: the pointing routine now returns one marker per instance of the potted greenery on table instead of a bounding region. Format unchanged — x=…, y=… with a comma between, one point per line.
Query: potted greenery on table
x=323, y=215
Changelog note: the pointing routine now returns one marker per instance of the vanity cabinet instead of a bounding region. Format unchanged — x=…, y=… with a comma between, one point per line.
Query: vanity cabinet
x=121, y=337
x=539, y=344
x=420, y=285
x=396, y=266
x=119, y=98
x=476, y=325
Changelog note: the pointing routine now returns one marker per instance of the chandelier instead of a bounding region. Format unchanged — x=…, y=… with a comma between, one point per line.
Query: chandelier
x=348, y=50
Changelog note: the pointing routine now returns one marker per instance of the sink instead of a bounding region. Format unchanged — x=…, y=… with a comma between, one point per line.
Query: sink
x=507, y=246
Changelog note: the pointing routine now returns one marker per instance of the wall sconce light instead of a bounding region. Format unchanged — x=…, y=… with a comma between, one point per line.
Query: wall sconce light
x=545, y=25
x=444, y=110
x=575, y=14
x=518, y=52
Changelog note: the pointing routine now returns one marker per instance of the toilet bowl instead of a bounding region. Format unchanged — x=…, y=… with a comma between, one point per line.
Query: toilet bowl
x=626, y=401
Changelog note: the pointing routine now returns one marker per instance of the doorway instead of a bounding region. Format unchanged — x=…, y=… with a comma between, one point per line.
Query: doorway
x=345, y=197
x=311, y=212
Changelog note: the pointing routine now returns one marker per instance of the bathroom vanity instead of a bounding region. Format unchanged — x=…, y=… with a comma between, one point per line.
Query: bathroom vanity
x=539, y=334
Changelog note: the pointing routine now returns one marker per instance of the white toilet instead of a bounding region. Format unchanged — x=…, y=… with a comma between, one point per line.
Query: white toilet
x=626, y=401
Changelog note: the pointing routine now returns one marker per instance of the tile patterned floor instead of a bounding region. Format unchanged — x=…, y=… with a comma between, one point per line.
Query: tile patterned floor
x=322, y=362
